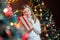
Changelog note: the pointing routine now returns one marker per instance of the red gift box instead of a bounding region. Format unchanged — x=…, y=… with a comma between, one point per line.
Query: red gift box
x=25, y=22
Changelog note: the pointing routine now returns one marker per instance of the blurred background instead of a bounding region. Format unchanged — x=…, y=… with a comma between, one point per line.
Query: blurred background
x=47, y=12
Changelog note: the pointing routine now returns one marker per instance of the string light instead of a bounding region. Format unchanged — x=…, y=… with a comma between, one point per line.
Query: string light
x=46, y=35
x=58, y=34
x=42, y=3
x=11, y=24
x=11, y=1
x=40, y=10
x=16, y=11
x=40, y=14
x=46, y=18
x=35, y=9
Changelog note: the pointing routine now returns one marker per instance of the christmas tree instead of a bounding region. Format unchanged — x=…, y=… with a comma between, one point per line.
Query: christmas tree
x=7, y=19
x=45, y=16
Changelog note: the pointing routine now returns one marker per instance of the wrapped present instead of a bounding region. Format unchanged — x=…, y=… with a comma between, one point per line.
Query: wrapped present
x=25, y=22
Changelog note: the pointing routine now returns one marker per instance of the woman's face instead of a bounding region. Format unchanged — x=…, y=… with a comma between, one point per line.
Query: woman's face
x=27, y=12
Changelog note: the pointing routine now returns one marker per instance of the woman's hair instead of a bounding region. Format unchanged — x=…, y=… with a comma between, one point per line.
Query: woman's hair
x=32, y=13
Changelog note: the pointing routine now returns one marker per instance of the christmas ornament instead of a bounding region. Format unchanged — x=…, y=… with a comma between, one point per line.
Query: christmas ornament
x=46, y=35
x=42, y=3
x=35, y=9
x=16, y=25
x=40, y=10
x=46, y=18
x=7, y=11
x=40, y=14
x=58, y=34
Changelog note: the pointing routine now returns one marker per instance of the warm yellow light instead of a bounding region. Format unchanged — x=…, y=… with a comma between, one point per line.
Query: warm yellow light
x=17, y=10
x=46, y=18
x=40, y=14
x=35, y=9
x=13, y=0
x=8, y=2
x=14, y=12
x=35, y=6
x=47, y=35
x=40, y=10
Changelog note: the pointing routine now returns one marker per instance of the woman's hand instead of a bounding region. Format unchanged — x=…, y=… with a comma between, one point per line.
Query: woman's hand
x=37, y=32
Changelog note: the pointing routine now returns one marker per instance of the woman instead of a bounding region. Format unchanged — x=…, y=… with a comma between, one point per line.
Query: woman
x=36, y=30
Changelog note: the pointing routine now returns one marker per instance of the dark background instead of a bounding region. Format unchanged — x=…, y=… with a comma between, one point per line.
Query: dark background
x=54, y=6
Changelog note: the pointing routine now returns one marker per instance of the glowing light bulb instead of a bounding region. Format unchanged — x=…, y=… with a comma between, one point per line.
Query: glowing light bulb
x=5, y=10
x=40, y=10
x=42, y=3
x=35, y=10
x=13, y=0
x=11, y=24
x=46, y=35
x=8, y=2
x=17, y=10
x=40, y=14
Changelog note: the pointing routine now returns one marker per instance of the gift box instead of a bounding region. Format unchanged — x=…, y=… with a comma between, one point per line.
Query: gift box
x=25, y=22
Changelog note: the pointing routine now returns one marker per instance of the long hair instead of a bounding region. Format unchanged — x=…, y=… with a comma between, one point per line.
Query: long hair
x=32, y=13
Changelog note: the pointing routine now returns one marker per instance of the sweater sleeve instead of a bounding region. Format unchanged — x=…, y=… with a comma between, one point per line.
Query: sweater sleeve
x=37, y=26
